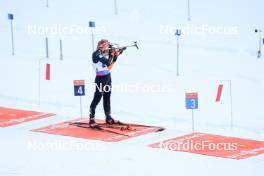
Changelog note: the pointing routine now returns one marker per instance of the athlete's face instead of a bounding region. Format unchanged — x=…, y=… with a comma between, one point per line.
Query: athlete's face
x=105, y=45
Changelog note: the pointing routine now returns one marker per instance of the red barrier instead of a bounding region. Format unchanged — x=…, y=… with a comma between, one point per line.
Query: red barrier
x=219, y=93
x=47, y=71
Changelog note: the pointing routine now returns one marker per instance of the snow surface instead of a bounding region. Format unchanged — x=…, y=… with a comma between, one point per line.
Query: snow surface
x=206, y=60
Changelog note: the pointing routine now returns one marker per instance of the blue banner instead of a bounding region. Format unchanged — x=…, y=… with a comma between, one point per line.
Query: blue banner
x=91, y=24
x=10, y=16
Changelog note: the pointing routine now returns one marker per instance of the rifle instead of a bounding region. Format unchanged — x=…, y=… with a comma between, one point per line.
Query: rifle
x=112, y=46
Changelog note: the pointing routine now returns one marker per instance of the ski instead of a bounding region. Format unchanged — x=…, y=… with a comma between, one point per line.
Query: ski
x=98, y=128
x=120, y=126
x=148, y=126
x=136, y=125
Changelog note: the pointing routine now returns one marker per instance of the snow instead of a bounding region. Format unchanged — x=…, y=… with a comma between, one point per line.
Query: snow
x=206, y=60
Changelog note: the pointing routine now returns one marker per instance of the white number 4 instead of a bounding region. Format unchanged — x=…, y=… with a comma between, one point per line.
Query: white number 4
x=80, y=90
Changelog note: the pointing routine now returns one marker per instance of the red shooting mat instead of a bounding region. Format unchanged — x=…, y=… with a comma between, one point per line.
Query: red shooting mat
x=110, y=135
x=9, y=116
x=213, y=145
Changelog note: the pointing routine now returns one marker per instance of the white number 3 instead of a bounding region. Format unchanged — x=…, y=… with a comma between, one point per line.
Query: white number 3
x=193, y=103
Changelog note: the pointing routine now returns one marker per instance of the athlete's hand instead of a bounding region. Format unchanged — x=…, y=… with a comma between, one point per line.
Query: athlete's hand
x=122, y=49
x=115, y=52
